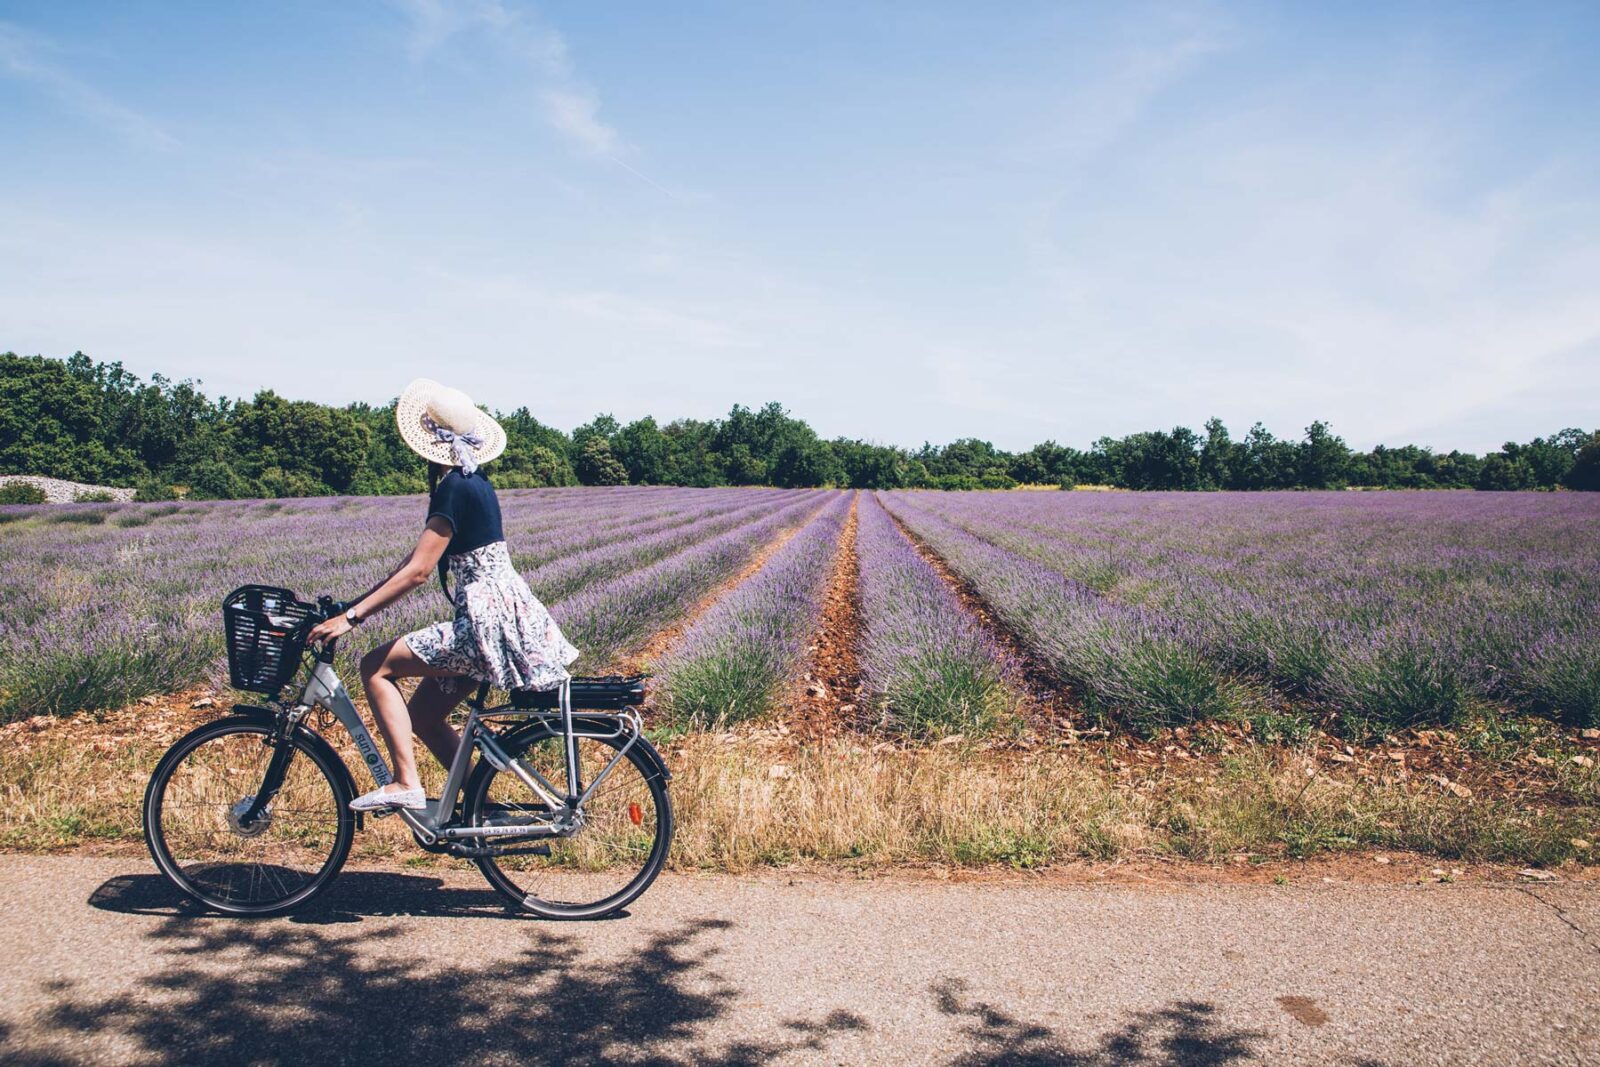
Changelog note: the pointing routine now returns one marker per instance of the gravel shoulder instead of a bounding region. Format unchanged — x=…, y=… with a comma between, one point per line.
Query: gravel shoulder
x=101, y=964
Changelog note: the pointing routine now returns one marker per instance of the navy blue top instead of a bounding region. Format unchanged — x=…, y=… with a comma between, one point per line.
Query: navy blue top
x=469, y=503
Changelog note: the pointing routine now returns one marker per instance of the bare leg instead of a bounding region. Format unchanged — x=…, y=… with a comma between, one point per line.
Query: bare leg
x=380, y=669
x=430, y=709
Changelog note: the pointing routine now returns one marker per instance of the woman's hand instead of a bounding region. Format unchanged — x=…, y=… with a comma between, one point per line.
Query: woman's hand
x=329, y=630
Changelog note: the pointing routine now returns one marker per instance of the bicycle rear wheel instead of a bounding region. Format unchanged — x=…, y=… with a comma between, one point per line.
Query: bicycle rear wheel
x=195, y=826
x=604, y=865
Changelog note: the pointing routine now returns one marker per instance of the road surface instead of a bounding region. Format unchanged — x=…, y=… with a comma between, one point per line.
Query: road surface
x=100, y=964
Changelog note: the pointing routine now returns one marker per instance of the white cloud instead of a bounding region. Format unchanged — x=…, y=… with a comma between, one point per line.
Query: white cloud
x=1300, y=253
x=575, y=113
x=568, y=106
x=20, y=59
x=1100, y=110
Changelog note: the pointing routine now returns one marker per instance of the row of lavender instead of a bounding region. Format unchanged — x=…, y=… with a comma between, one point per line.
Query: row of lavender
x=735, y=660
x=929, y=666
x=104, y=603
x=929, y=669
x=1391, y=608
x=1125, y=662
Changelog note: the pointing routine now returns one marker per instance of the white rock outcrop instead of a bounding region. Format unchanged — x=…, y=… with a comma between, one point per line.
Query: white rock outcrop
x=61, y=491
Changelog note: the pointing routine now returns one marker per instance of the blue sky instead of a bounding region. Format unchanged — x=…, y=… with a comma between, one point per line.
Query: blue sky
x=904, y=221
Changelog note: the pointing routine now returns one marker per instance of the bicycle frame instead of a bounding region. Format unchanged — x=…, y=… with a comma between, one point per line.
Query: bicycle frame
x=432, y=823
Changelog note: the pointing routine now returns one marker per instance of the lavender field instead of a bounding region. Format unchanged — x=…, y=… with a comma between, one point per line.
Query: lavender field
x=104, y=604
x=1363, y=612
x=1386, y=609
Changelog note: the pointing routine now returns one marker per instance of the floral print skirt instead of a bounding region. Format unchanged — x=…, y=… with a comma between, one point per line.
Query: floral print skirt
x=501, y=633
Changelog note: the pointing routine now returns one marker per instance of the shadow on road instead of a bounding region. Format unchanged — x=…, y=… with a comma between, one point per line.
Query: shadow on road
x=261, y=992
x=237, y=992
x=1186, y=1032
x=353, y=896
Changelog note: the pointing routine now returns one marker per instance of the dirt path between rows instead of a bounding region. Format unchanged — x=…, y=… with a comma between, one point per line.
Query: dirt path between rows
x=1039, y=693
x=828, y=698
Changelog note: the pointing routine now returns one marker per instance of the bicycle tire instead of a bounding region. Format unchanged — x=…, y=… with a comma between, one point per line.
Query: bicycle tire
x=650, y=777
x=156, y=806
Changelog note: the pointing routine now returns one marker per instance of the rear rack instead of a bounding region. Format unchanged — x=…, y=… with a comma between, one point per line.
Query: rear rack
x=612, y=692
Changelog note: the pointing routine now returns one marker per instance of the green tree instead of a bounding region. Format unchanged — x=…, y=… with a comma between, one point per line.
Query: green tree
x=1504, y=472
x=536, y=455
x=97, y=422
x=1153, y=460
x=1550, y=460
x=50, y=424
x=871, y=466
x=1324, y=459
x=327, y=447
x=390, y=467
x=1218, y=457
x=216, y=480
x=742, y=467
x=644, y=451
x=1046, y=463
x=693, y=461
x=806, y=463
x=1266, y=462
x=533, y=467
x=597, y=466
x=21, y=493
x=1584, y=474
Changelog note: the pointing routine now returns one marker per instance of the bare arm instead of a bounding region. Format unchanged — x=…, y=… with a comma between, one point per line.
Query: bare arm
x=413, y=571
x=396, y=569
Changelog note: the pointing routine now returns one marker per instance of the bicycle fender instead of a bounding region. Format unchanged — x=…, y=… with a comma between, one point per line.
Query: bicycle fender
x=551, y=727
x=312, y=739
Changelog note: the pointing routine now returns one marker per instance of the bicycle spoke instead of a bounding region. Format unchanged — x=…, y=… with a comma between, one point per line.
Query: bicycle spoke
x=296, y=836
x=615, y=845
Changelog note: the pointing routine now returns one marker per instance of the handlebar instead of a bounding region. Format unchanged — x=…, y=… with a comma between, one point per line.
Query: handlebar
x=327, y=608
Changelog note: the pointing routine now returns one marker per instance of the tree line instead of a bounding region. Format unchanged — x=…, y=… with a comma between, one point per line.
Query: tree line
x=95, y=422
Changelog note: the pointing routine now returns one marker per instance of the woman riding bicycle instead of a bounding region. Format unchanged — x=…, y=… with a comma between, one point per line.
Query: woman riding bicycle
x=501, y=632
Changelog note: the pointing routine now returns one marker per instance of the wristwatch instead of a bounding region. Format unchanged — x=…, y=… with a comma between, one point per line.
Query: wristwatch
x=351, y=617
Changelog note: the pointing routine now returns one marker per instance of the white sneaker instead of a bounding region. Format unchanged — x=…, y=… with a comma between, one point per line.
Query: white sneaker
x=383, y=799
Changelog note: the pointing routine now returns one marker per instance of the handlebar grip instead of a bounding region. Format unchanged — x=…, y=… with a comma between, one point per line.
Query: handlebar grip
x=328, y=608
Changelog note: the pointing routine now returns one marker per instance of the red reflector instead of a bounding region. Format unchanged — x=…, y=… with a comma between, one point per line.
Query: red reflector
x=635, y=815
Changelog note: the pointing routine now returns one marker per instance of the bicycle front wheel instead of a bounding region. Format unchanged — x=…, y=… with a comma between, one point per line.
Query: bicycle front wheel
x=600, y=867
x=197, y=827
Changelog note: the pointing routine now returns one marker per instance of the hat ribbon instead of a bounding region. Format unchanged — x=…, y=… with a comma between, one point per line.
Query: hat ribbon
x=461, y=444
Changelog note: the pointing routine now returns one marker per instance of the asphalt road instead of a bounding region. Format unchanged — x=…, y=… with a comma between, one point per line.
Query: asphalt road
x=99, y=964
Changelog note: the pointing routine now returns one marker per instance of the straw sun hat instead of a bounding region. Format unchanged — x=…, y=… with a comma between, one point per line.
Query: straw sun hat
x=444, y=425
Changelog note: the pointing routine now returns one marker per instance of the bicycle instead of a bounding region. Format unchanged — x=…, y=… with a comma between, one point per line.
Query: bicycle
x=564, y=809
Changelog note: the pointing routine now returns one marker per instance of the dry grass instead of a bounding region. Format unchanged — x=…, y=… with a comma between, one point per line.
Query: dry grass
x=757, y=797
x=841, y=801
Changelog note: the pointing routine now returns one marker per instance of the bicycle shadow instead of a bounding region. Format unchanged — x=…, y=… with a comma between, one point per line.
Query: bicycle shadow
x=353, y=897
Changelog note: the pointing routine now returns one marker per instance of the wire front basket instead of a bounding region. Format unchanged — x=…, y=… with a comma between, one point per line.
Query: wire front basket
x=266, y=636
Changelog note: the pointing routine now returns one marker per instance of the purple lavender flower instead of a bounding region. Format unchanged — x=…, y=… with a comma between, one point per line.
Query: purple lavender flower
x=736, y=659
x=930, y=667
